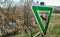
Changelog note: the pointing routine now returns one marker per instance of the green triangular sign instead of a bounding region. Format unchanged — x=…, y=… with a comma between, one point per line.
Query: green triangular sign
x=38, y=15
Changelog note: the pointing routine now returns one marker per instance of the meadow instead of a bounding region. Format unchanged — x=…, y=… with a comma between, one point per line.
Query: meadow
x=53, y=29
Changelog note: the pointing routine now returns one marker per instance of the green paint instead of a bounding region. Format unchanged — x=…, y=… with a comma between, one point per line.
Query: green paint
x=38, y=18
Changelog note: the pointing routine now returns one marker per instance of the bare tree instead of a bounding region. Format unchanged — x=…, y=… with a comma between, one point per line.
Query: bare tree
x=27, y=15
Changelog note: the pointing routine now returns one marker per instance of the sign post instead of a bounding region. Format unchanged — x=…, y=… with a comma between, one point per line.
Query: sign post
x=39, y=18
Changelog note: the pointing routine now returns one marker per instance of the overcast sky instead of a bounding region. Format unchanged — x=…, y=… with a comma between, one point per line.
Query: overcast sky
x=50, y=2
x=17, y=2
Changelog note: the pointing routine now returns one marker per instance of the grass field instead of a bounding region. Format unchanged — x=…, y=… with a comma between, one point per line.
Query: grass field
x=54, y=26
x=53, y=29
